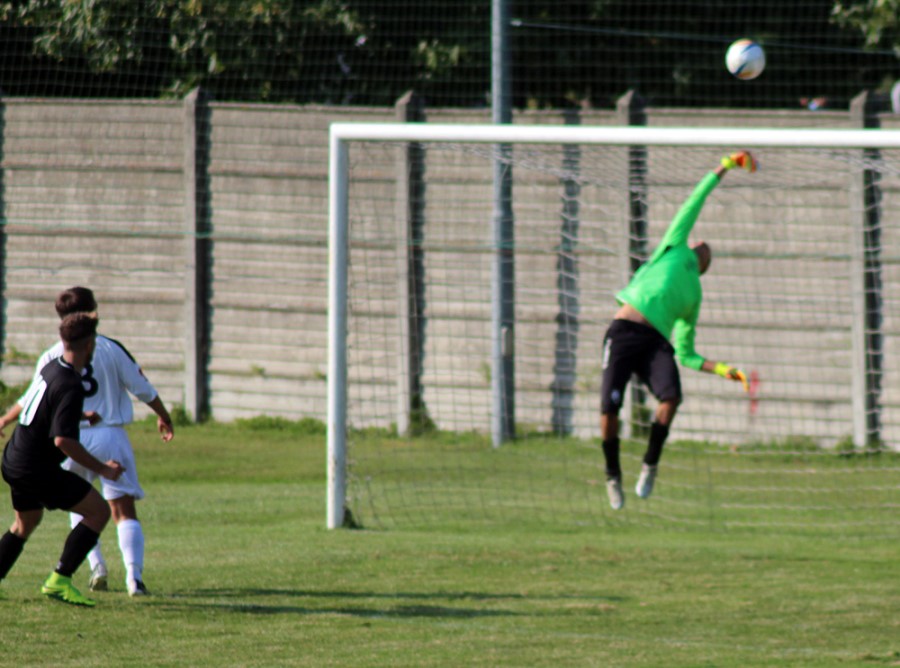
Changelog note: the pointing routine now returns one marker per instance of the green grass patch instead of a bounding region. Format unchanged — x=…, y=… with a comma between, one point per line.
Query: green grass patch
x=789, y=487
x=245, y=574
x=9, y=394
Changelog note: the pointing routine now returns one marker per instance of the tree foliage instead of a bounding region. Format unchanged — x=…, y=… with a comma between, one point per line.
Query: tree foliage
x=372, y=51
x=877, y=20
x=243, y=49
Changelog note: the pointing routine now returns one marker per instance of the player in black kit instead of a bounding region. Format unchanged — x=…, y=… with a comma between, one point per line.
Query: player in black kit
x=46, y=434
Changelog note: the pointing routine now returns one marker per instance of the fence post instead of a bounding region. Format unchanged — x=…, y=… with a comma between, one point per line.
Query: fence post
x=631, y=109
x=198, y=256
x=3, y=221
x=503, y=269
x=865, y=277
x=412, y=413
x=567, y=296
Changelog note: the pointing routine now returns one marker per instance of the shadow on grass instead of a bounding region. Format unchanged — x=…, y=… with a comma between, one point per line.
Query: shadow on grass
x=226, y=603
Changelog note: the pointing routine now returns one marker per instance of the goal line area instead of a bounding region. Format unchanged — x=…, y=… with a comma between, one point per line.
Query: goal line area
x=473, y=274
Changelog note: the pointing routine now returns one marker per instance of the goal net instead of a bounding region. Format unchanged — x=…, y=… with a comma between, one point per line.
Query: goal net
x=473, y=276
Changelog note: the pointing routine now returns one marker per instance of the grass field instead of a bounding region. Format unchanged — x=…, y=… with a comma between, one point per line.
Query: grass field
x=244, y=574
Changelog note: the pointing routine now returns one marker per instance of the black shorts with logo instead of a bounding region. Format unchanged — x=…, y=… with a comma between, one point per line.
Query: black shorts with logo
x=50, y=489
x=633, y=348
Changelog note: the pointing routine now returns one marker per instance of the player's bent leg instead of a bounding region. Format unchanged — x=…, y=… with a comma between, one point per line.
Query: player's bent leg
x=94, y=511
x=83, y=537
x=99, y=577
x=13, y=541
x=609, y=425
x=11, y=547
x=26, y=522
x=123, y=508
x=59, y=585
x=615, y=494
x=665, y=411
x=122, y=495
x=609, y=429
x=659, y=432
x=644, y=486
x=620, y=355
x=131, y=543
x=60, y=588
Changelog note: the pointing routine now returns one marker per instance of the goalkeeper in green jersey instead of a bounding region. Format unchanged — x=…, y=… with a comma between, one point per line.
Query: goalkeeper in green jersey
x=661, y=301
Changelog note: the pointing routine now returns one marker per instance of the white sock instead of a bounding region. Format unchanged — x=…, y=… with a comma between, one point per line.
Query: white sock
x=131, y=543
x=95, y=556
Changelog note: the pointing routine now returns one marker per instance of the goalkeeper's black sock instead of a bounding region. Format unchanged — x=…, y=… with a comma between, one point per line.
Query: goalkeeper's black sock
x=611, y=453
x=10, y=548
x=658, y=435
x=81, y=540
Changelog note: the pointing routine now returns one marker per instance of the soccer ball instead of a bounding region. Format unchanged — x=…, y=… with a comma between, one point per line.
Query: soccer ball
x=745, y=59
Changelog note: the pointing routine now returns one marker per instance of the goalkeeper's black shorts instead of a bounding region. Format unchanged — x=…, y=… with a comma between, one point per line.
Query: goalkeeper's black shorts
x=633, y=348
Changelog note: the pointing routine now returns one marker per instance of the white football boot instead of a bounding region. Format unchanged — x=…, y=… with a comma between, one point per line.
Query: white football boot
x=644, y=486
x=615, y=493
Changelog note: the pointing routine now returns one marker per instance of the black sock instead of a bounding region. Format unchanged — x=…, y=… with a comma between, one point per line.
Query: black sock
x=10, y=548
x=611, y=453
x=81, y=540
x=658, y=435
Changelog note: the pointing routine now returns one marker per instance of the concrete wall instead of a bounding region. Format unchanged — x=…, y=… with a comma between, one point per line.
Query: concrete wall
x=99, y=193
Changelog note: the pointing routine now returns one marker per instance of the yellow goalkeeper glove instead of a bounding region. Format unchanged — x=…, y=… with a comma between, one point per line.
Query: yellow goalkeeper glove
x=742, y=159
x=731, y=373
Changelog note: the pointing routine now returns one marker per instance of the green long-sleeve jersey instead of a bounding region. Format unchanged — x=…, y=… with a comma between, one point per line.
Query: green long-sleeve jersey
x=666, y=289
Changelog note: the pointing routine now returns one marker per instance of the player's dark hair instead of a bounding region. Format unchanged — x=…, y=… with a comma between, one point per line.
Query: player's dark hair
x=76, y=328
x=75, y=300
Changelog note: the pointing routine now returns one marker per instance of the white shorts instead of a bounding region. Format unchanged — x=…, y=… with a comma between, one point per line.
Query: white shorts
x=107, y=443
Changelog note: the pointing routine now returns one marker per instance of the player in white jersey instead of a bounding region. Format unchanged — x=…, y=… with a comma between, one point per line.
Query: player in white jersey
x=109, y=378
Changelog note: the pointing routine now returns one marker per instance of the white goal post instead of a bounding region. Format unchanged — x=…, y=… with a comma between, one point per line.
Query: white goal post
x=342, y=135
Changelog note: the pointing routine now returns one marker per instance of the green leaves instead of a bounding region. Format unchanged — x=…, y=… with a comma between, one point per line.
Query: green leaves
x=877, y=20
x=240, y=49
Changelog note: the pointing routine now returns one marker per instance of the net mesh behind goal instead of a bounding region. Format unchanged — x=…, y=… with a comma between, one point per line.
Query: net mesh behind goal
x=802, y=295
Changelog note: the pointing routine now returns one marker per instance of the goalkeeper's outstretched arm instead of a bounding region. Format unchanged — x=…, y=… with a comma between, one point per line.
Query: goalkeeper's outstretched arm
x=684, y=220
